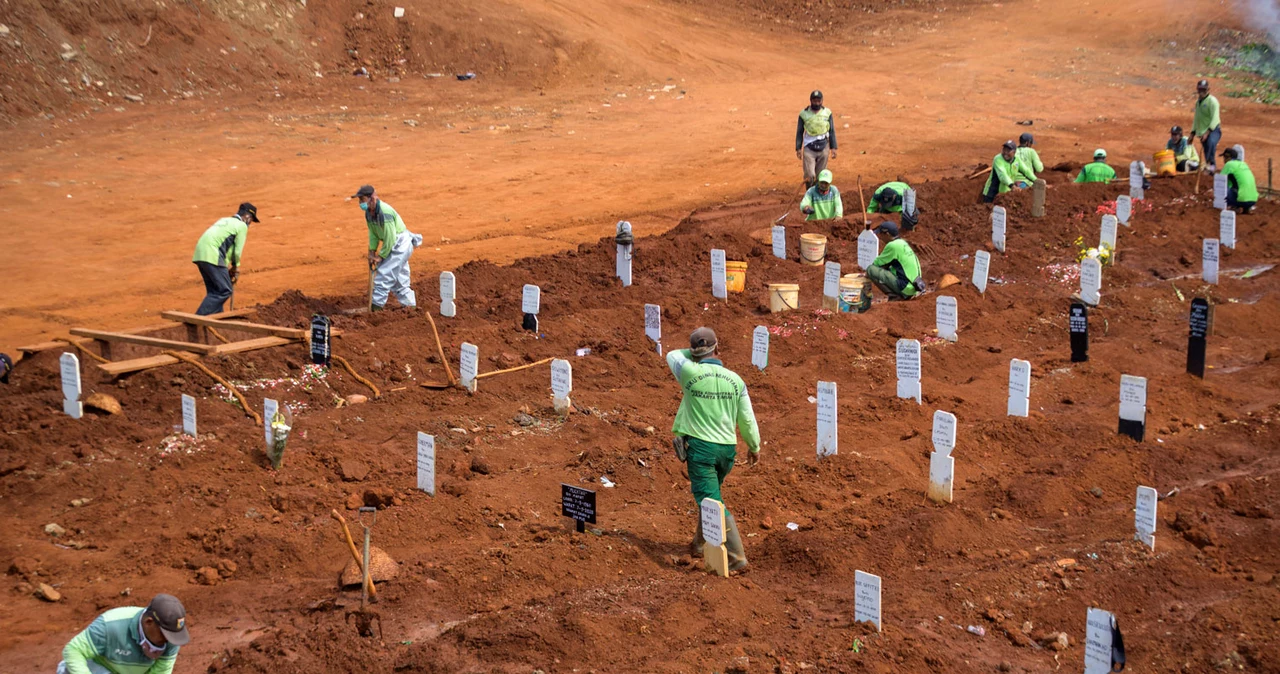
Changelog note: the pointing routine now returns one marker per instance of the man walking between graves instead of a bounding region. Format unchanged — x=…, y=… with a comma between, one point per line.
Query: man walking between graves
x=222, y=245
x=1005, y=174
x=822, y=201
x=130, y=640
x=1207, y=124
x=1242, y=188
x=896, y=271
x=1096, y=171
x=1184, y=151
x=714, y=408
x=888, y=198
x=815, y=138
x=390, y=246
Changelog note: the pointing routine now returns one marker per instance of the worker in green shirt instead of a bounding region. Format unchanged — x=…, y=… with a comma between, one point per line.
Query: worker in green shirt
x=130, y=640
x=896, y=271
x=1005, y=174
x=1028, y=160
x=1207, y=124
x=890, y=198
x=218, y=254
x=1242, y=188
x=715, y=407
x=390, y=246
x=815, y=138
x=1096, y=171
x=1184, y=150
x=822, y=201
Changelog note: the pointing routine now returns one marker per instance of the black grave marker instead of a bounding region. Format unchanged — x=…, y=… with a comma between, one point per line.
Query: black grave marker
x=579, y=504
x=320, y=328
x=1079, y=327
x=1200, y=317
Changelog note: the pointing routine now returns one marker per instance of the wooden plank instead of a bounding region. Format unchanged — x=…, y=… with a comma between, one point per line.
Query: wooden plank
x=50, y=346
x=252, y=345
x=141, y=340
x=120, y=367
x=243, y=326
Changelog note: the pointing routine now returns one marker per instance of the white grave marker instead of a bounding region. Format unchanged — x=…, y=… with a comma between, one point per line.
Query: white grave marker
x=469, y=366
x=868, y=248
x=981, y=270
x=828, y=436
x=831, y=284
x=1144, y=518
x=531, y=299
x=760, y=347
x=399, y=12
x=866, y=598
x=944, y=432
x=1091, y=281
x=1108, y=238
x=623, y=263
x=653, y=324
x=189, y=415
x=561, y=384
x=1209, y=267
x=269, y=409
x=1227, y=229
x=1239, y=151
x=909, y=369
x=1124, y=209
x=1019, y=388
x=448, y=293
x=1097, y=642
x=71, y=405
x=947, y=316
x=427, y=463
x=942, y=466
x=780, y=242
x=1133, y=406
x=712, y=522
x=1219, y=191
x=909, y=201
x=999, y=223
x=1137, y=174
x=718, y=287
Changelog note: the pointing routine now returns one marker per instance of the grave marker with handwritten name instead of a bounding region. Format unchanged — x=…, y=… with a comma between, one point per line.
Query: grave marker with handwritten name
x=946, y=315
x=69, y=368
x=760, y=347
x=718, y=270
x=908, y=367
x=1133, y=406
x=827, y=413
x=1197, y=337
x=448, y=294
x=189, y=415
x=427, y=463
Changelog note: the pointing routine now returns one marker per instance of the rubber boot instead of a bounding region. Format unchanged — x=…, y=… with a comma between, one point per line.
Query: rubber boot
x=733, y=543
x=695, y=547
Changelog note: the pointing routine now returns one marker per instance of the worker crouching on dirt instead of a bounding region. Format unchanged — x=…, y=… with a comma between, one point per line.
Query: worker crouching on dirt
x=1005, y=174
x=714, y=408
x=130, y=640
x=390, y=246
x=1096, y=171
x=889, y=198
x=896, y=271
x=822, y=201
x=1184, y=151
x=1242, y=188
x=1028, y=160
x=218, y=255
x=815, y=138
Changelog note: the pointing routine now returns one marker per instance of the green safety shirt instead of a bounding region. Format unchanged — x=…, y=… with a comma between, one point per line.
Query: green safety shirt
x=1005, y=173
x=1096, y=172
x=1183, y=150
x=112, y=641
x=222, y=241
x=898, y=257
x=1241, y=177
x=825, y=206
x=897, y=188
x=1207, y=118
x=1028, y=161
x=385, y=224
x=715, y=402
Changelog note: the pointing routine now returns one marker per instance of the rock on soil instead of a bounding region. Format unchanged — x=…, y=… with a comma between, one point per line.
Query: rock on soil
x=206, y=575
x=379, y=497
x=103, y=403
x=381, y=566
x=54, y=530
x=352, y=470
x=47, y=593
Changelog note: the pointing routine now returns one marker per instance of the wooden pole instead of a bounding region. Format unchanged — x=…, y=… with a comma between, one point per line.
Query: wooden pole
x=862, y=200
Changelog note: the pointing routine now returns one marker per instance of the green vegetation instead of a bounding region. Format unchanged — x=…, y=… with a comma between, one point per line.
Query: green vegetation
x=1256, y=69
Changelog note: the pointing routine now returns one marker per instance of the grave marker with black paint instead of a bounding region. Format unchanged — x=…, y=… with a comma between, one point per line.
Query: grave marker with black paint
x=1133, y=406
x=1078, y=326
x=578, y=504
x=1197, y=337
x=321, y=329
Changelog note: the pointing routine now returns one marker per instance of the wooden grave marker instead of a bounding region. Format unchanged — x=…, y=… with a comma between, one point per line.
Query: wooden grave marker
x=653, y=325
x=321, y=334
x=1038, y=189
x=779, y=236
x=1137, y=176
x=623, y=262
x=1124, y=209
x=1078, y=326
x=1227, y=229
x=1219, y=191
x=831, y=286
x=1091, y=281
x=714, y=554
x=269, y=409
x=1019, y=388
x=1098, y=642
x=1107, y=239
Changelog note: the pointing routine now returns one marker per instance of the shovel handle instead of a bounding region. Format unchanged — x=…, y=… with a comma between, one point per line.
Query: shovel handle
x=355, y=554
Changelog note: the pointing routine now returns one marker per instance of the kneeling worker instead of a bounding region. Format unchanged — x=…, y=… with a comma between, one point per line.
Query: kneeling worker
x=714, y=407
x=1097, y=171
x=1184, y=151
x=130, y=639
x=888, y=198
x=1005, y=174
x=896, y=271
x=822, y=201
x=1242, y=188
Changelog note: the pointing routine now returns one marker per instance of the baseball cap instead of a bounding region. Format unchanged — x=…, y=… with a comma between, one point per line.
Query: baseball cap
x=1176, y=129
x=1229, y=153
x=1026, y=138
x=890, y=228
x=172, y=618
x=249, y=210
x=1099, y=153
x=364, y=191
x=702, y=341
x=1202, y=84
x=824, y=176
x=1010, y=145
x=886, y=196
x=817, y=93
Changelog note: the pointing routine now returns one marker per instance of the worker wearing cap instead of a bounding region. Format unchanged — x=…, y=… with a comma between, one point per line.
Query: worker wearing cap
x=130, y=640
x=390, y=246
x=715, y=407
x=1096, y=171
x=218, y=254
x=1207, y=124
x=896, y=271
x=822, y=201
x=815, y=138
x=1028, y=160
x=1005, y=174
x=890, y=198
x=1242, y=188
x=1184, y=151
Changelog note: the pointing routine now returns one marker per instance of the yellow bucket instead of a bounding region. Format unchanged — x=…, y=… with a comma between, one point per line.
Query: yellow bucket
x=813, y=249
x=855, y=293
x=784, y=297
x=1165, y=163
x=735, y=276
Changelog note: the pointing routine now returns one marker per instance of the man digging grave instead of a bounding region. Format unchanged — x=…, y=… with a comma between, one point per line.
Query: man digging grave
x=891, y=198
x=1027, y=158
x=1097, y=171
x=715, y=406
x=1242, y=188
x=822, y=201
x=130, y=640
x=390, y=246
x=223, y=242
x=1005, y=174
x=896, y=271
